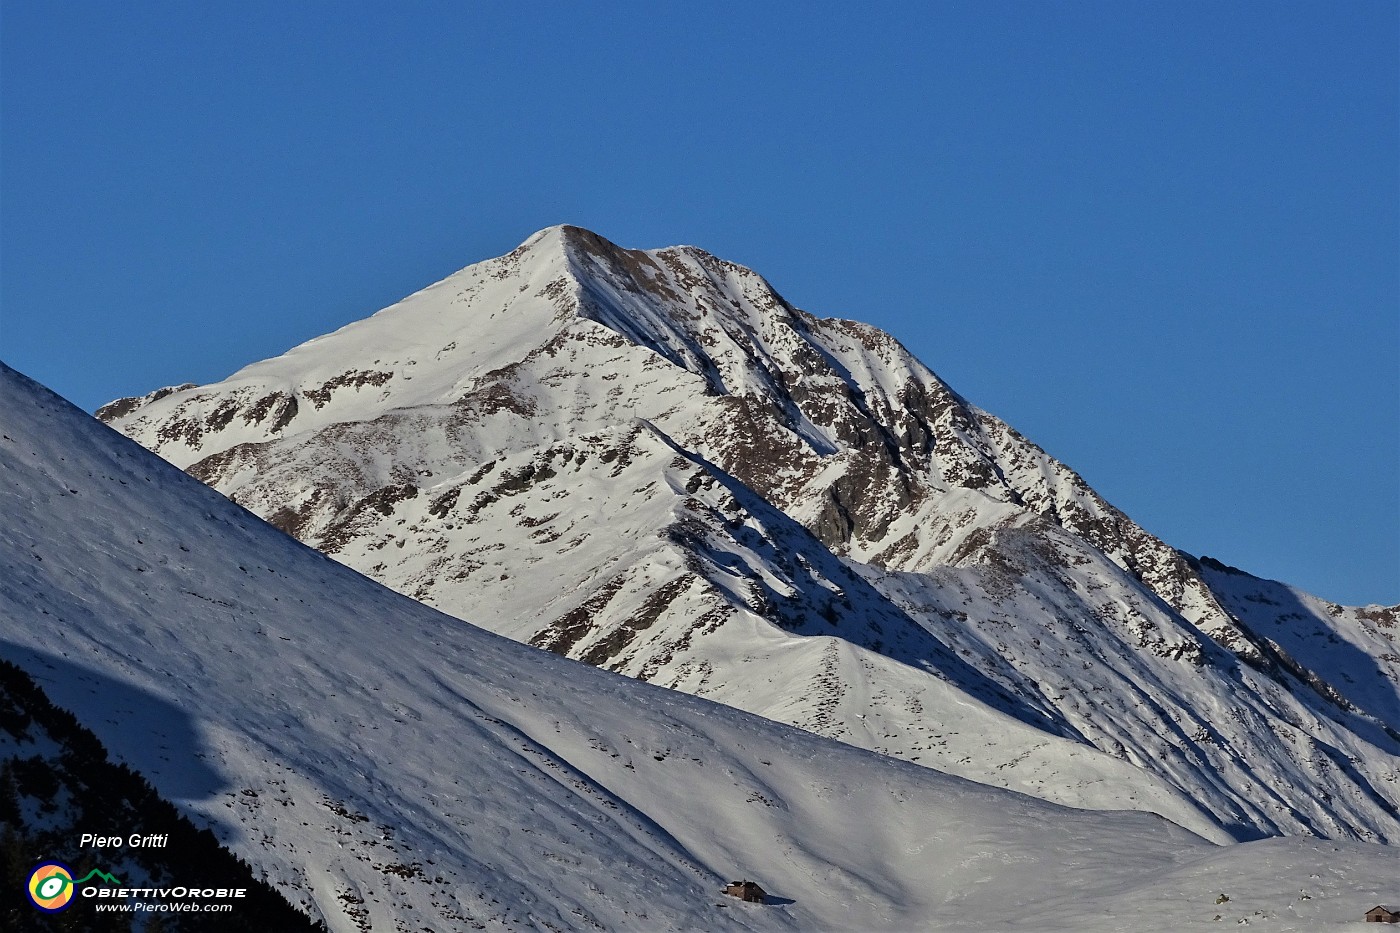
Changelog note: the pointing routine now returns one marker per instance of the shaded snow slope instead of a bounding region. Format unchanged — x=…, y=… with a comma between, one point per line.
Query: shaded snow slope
x=1349, y=653
x=649, y=461
x=57, y=782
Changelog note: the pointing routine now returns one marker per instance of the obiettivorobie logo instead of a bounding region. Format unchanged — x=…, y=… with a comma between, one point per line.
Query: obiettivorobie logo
x=51, y=885
x=52, y=888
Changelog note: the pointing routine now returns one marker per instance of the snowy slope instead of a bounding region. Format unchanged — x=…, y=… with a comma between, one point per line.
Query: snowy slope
x=392, y=768
x=649, y=461
x=1351, y=651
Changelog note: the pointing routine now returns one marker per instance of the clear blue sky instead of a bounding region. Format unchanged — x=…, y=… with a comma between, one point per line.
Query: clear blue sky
x=1161, y=239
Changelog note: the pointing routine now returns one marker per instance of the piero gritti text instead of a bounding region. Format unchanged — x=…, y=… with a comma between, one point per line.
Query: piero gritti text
x=133, y=841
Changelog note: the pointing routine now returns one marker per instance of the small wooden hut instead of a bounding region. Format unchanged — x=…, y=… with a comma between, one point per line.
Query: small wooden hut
x=746, y=891
x=1382, y=914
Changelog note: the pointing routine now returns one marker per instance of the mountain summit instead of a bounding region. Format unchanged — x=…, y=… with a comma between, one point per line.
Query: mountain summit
x=650, y=461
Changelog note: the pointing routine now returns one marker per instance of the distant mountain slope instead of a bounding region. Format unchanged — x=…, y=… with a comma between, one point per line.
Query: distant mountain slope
x=391, y=768
x=649, y=461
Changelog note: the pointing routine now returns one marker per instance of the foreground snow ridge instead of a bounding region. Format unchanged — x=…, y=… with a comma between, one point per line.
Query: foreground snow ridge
x=389, y=767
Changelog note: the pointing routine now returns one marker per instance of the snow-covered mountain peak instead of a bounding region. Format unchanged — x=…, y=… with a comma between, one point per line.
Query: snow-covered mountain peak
x=649, y=460
x=484, y=336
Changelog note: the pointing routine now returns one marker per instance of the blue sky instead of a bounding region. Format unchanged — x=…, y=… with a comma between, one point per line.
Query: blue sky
x=1160, y=239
